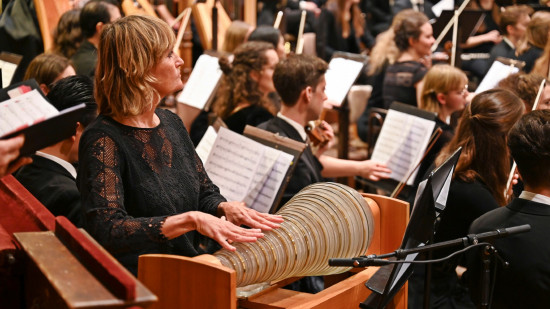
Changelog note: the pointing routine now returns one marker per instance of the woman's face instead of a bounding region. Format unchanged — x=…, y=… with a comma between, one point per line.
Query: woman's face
x=168, y=74
x=423, y=44
x=281, y=48
x=265, y=78
x=544, y=102
x=456, y=100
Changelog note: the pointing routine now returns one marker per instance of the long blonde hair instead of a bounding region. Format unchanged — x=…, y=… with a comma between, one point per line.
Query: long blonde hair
x=128, y=51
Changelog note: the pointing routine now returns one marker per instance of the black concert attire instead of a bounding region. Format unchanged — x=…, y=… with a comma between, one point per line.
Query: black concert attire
x=252, y=115
x=131, y=179
x=330, y=38
x=376, y=99
x=400, y=80
x=525, y=283
x=480, y=66
x=530, y=56
x=465, y=203
x=85, y=59
x=503, y=49
x=423, y=6
x=54, y=186
x=307, y=170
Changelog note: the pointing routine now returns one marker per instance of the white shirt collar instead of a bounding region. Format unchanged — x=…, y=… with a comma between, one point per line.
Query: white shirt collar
x=539, y=198
x=68, y=166
x=507, y=41
x=301, y=130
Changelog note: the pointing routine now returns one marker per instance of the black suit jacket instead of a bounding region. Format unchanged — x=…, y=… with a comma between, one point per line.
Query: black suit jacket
x=85, y=59
x=53, y=186
x=307, y=170
x=526, y=283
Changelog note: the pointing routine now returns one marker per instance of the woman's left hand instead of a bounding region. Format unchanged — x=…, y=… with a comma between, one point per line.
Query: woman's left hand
x=237, y=213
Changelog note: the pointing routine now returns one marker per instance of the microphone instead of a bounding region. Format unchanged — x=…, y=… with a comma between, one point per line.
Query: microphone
x=358, y=262
x=498, y=233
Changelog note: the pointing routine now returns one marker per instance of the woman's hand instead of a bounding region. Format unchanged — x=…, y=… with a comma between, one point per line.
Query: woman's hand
x=224, y=232
x=239, y=214
x=374, y=170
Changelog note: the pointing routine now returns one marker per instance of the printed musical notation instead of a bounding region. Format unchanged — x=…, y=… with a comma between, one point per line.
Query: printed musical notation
x=402, y=142
x=202, y=82
x=243, y=169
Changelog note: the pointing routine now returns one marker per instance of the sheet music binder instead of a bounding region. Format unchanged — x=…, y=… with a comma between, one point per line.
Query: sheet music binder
x=49, y=131
x=495, y=73
x=281, y=143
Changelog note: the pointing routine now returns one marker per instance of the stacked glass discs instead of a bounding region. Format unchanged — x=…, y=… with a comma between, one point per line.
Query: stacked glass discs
x=324, y=220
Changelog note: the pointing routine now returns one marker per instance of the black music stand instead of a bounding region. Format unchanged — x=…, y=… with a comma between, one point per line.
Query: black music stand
x=469, y=22
x=430, y=201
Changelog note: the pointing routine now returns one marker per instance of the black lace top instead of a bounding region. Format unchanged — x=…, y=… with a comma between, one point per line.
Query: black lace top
x=131, y=179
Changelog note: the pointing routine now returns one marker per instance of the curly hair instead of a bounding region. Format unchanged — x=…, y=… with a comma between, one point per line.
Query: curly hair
x=525, y=86
x=481, y=132
x=407, y=28
x=123, y=78
x=67, y=36
x=237, y=85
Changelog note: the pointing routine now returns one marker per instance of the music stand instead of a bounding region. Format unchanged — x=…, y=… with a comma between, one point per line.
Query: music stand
x=469, y=21
x=430, y=201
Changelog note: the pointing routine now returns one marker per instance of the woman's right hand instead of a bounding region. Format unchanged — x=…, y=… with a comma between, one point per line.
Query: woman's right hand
x=223, y=231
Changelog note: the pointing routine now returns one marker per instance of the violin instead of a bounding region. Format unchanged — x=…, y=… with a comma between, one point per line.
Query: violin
x=315, y=132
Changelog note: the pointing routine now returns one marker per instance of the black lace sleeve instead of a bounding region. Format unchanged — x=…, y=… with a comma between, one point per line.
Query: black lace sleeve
x=102, y=193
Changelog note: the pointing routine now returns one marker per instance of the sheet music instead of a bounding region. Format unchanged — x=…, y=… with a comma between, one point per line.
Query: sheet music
x=265, y=198
x=8, y=70
x=205, y=145
x=262, y=172
x=402, y=142
x=202, y=82
x=232, y=163
x=496, y=73
x=442, y=5
x=24, y=110
x=340, y=76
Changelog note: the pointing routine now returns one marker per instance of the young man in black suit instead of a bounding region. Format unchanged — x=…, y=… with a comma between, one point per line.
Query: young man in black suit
x=526, y=282
x=51, y=177
x=300, y=81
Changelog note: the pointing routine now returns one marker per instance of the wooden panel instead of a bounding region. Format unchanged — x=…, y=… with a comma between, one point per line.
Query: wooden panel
x=182, y=282
x=48, y=13
x=250, y=12
x=70, y=283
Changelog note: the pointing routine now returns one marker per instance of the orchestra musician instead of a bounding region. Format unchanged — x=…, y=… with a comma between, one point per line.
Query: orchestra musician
x=144, y=188
x=536, y=39
x=243, y=97
x=479, y=180
x=414, y=39
x=47, y=68
x=526, y=87
x=523, y=284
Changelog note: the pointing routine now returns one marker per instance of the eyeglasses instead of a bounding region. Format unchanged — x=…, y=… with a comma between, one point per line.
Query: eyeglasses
x=464, y=90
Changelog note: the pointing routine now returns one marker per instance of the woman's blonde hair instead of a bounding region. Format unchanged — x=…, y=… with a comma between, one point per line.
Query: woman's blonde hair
x=441, y=78
x=46, y=67
x=537, y=31
x=128, y=51
x=235, y=35
x=385, y=50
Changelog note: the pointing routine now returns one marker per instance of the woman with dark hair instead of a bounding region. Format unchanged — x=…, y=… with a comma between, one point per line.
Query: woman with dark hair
x=246, y=83
x=479, y=179
x=67, y=36
x=342, y=27
x=144, y=188
x=270, y=35
x=413, y=36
